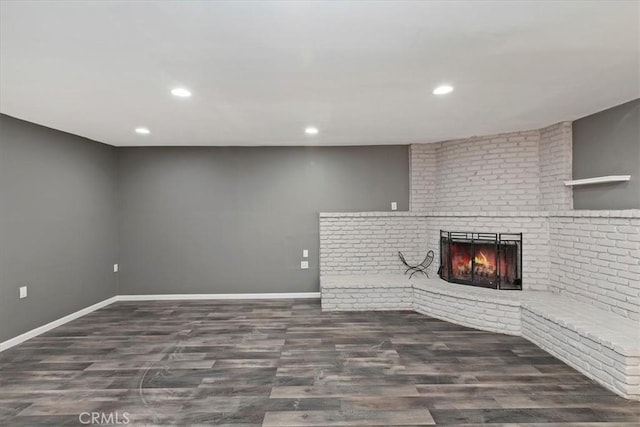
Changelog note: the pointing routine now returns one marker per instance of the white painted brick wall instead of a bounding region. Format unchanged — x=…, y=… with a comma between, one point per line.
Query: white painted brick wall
x=423, y=177
x=593, y=256
x=555, y=164
x=506, y=172
x=369, y=242
x=497, y=172
x=596, y=259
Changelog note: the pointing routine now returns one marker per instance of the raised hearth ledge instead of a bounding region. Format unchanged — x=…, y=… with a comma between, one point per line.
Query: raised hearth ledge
x=377, y=281
x=371, y=213
x=624, y=213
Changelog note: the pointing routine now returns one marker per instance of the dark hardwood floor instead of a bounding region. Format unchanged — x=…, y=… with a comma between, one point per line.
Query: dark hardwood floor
x=285, y=363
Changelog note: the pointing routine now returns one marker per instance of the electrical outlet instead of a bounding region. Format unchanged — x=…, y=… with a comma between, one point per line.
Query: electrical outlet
x=115, y=268
x=304, y=265
x=305, y=253
x=394, y=206
x=23, y=292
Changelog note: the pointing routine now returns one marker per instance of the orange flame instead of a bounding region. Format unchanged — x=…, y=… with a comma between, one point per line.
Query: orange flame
x=482, y=260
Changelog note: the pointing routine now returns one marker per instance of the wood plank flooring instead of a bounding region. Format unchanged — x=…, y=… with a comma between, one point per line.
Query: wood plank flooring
x=285, y=363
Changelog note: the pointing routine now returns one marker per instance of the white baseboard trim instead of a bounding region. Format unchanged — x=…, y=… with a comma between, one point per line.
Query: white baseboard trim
x=164, y=297
x=51, y=325
x=170, y=297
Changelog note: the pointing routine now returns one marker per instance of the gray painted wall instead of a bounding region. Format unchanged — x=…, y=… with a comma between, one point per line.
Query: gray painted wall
x=608, y=143
x=235, y=220
x=58, y=224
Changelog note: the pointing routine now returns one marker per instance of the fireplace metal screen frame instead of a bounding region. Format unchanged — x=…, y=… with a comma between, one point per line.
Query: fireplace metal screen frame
x=500, y=240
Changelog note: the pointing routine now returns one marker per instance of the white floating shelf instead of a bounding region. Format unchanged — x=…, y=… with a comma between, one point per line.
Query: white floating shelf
x=598, y=180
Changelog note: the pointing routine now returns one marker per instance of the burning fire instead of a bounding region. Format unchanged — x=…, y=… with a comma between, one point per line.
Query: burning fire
x=483, y=265
x=481, y=262
x=482, y=259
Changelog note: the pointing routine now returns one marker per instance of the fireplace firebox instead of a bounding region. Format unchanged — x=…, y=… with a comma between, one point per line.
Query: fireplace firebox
x=490, y=260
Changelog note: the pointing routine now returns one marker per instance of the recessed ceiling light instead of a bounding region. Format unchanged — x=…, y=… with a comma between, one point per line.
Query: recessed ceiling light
x=143, y=131
x=311, y=130
x=443, y=90
x=181, y=92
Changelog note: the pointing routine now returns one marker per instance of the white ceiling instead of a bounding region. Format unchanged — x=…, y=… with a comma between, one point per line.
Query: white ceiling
x=361, y=71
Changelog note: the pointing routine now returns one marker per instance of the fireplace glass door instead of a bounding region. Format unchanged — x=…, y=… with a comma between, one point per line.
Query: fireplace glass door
x=481, y=259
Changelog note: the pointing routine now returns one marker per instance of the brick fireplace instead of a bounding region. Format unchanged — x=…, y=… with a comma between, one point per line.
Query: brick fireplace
x=507, y=183
x=579, y=273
